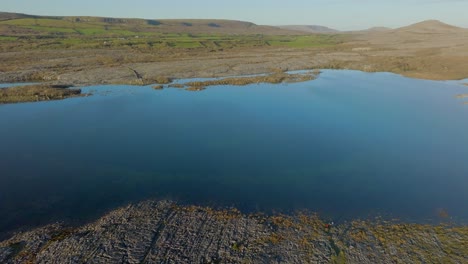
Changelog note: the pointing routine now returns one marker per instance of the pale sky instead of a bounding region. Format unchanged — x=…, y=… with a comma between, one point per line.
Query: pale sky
x=339, y=14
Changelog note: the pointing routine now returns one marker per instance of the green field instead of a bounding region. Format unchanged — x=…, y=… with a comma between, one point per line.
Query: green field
x=316, y=40
x=7, y=38
x=78, y=33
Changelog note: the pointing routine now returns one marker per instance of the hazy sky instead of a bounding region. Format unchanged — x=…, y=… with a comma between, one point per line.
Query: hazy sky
x=340, y=14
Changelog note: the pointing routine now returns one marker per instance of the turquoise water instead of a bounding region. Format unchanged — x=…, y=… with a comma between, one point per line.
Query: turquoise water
x=346, y=145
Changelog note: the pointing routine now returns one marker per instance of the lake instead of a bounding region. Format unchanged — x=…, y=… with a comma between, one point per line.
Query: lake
x=347, y=145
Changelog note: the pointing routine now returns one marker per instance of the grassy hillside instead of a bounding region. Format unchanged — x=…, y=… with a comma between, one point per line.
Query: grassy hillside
x=8, y=16
x=22, y=32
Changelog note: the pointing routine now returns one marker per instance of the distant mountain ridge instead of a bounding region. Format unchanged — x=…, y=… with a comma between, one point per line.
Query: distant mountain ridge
x=196, y=26
x=8, y=16
x=310, y=28
x=378, y=29
x=220, y=26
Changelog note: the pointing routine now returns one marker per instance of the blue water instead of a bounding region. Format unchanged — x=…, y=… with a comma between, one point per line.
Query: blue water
x=347, y=145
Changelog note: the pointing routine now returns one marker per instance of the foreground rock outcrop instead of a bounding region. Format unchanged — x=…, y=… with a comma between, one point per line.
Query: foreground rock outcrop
x=163, y=232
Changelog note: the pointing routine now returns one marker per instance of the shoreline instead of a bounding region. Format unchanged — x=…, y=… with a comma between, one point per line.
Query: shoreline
x=52, y=54
x=156, y=231
x=102, y=66
x=126, y=80
x=37, y=93
x=54, y=90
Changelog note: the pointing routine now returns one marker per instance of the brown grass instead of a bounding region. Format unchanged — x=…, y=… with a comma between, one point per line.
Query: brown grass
x=34, y=93
x=176, y=85
x=278, y=77
x=158, y=80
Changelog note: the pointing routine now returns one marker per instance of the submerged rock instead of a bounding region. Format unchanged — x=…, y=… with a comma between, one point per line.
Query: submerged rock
x=195, y=89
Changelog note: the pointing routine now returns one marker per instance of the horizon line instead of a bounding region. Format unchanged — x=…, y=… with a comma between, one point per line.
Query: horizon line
x=239, y=20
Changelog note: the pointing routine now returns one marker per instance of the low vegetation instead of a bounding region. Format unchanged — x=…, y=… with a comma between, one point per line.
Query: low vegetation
x=278, y=77
x=176, y=85
x=34, y=93
x=159, y=41
x=159, y=80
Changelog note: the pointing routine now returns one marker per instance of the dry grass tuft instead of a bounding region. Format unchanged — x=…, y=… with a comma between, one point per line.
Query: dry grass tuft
x=34, y=93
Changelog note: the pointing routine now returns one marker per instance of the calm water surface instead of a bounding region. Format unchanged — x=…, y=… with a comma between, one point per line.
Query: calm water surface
x=349, y=144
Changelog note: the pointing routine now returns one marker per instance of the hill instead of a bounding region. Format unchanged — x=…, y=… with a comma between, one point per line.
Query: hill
x=430, y=26
x=13, y=23
x=378, y=29
x=8, y=16
x=26, y=32
x=372, y=30
x=310, y=28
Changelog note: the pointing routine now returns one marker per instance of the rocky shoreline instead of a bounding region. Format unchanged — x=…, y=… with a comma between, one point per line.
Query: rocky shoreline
x=164, y=232
x=53, y=91
x=117, y=66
